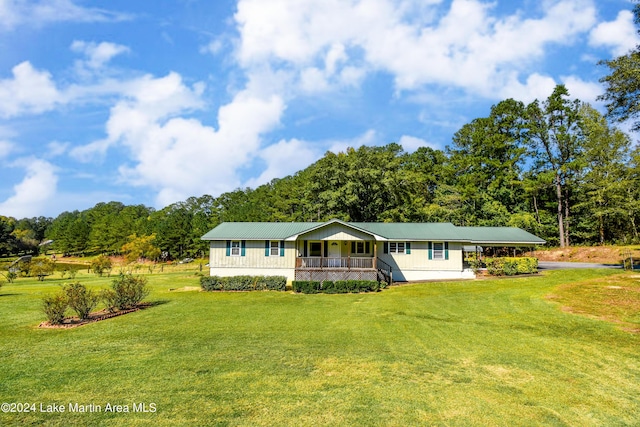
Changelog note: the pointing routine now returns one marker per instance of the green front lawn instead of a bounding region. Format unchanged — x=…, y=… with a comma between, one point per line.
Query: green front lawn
x=494, y=352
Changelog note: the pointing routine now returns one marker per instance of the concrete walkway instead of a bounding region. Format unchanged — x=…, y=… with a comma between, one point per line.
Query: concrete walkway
x=552, y=265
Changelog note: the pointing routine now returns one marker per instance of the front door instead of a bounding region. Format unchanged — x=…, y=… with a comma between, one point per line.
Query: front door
x=334, y=254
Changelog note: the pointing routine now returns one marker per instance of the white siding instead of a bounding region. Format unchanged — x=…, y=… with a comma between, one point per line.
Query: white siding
x=254, y=256
x=413, y=264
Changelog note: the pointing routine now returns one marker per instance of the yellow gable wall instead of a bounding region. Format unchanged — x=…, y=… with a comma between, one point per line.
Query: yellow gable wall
x=335, y=232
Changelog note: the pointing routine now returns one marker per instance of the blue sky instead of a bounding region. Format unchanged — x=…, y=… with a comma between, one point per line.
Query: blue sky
x=151, y=102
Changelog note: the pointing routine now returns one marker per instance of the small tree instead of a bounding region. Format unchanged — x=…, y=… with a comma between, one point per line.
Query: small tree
x=127, y=291
x=80, y=299
x=140, y=247
x=42, y=267
x=11, y=276
x=54, y=307
x=101, y=265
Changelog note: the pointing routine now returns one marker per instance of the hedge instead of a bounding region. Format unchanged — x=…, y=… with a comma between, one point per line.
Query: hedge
x=243, y=283
x=337, y=287
x=509, y=266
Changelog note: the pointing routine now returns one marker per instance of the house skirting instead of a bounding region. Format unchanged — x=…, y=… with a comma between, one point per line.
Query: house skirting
x=417, y=275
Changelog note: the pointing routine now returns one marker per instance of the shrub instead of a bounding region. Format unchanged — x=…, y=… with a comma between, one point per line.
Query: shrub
x=495, y=266
x=54, y=307
x=474, y=262
x=243, y=283
x=337, y=287
x=127, y=291
x=101, y=265
x=80, y=299
x=510, y=266
x=357, y=286
x=330, y=287
x=306, y=286
x=211, y=283
x=239, y=283
x=271, y=283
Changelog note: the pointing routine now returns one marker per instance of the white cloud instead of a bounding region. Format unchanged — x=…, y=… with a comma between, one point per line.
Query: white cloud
x=536, y=87
x=37, y=189
x=583, y=90
x=14, y=13
x=370, y=137
x=5, y=148
x=284, y=158
x=29, y=91
x=57, y=148
x=411, y=143
x=619, y=36
x=98, y=54
x=468, y=47
x=213, y=47
x=178, y=156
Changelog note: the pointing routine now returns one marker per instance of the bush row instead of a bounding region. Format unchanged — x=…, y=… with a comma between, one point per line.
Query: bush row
x=243, y=283
x=126, y=292
x=509, y=266
x=337, y=287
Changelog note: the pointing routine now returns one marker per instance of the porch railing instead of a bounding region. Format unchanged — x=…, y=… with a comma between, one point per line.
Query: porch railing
x=339, y=262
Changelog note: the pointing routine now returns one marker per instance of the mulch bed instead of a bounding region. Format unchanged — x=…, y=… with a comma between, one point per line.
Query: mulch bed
x=73, y=322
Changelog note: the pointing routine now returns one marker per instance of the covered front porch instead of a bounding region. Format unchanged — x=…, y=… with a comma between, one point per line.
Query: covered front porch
x=340, y=260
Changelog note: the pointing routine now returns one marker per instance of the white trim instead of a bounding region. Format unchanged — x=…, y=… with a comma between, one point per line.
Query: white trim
x=239, y=248
x=397, y=248
x=442, y=250
x=271, y=247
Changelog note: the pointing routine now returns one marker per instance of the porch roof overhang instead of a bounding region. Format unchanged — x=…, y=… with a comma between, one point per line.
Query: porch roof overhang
x=352, y=226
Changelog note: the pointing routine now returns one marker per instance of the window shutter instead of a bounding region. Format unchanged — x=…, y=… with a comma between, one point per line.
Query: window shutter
x=367, y=247
x=430, y=250
x=326, y=249
x=304, y=250
x=281, y=247
x=353, y=247
x=267, y=244
x=407, y=248
x=446, y=250
x=243, y=246
x=386, y=247
x=228, y=247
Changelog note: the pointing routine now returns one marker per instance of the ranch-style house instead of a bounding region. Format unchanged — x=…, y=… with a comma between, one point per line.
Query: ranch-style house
x=339, y=250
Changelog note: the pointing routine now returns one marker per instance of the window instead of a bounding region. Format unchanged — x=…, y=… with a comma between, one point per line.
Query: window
x=396, y=247
x=360, y=248
x=235, y=248
x=438, y=250
x=274, y=248
x=315, y=249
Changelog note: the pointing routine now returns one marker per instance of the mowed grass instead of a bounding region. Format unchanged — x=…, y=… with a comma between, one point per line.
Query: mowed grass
x=490, y=352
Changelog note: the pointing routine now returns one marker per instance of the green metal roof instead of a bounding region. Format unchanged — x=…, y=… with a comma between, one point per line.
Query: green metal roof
x=410, y=230
x=258, y=230
x=386, y=231
x=498, y=235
